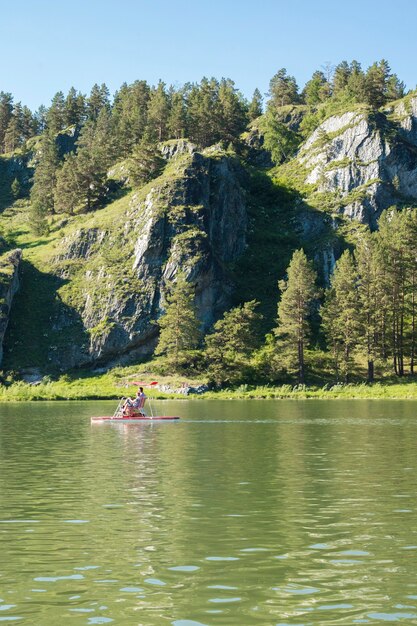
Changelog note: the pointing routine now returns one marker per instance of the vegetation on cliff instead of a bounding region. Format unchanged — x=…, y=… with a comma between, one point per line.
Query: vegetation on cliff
x=110, y=204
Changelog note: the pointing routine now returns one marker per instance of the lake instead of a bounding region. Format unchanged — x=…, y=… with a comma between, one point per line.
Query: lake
x=242, y=513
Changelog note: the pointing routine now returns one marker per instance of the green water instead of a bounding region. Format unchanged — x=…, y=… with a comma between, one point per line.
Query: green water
x=242, y=513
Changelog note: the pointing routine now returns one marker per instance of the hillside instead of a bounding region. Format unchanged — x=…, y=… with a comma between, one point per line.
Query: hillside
x=94, y=283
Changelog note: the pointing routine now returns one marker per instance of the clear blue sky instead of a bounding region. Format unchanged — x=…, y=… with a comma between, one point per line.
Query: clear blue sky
x=51, y=45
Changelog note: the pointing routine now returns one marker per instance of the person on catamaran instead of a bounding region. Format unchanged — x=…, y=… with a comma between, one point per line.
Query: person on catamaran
x=135, y=406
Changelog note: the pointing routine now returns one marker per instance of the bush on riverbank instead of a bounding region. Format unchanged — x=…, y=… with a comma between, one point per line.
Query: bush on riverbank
x=118, y=383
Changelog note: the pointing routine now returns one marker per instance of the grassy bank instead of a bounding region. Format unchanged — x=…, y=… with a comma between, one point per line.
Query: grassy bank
x=119, y=382
x=385, y=390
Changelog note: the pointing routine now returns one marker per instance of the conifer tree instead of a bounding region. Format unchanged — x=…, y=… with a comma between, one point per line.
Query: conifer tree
x=14, y=135
x=55, y=117
x=6, y=110
x=98, y=100
x=297, y=295
x=392, y=239
x=283, y=89
x=68, y=193
x=44, y=180
x=28, y=124
x=180, y=332
x=410, y=217
x=38, y=221
x=158, y=112
x=129, y=113
x=316, y=90
x=233, y=112
x=395, y=88
x=373, y=304
x=204, y=113
x=356, y=84
x=255, y=106
x=75, y=108
x=376, y=83
x=177, y=123
x=340, y=78
x=341, y=313
x=230, y=346
x=40, y=120
x=81, y=182
x=145, y=162
x=279, y=139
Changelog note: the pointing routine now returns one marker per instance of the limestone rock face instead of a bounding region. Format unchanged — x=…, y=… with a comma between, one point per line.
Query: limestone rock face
x=174, y=147
x=368, y=160
x=193, y=221
x=9, y=284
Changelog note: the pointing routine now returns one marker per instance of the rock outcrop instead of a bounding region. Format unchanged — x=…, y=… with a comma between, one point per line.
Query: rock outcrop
x=9, y=284
x=367, y=160
x=192, y=220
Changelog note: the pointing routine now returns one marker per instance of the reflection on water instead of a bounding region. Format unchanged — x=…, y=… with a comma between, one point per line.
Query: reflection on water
x=269, y=512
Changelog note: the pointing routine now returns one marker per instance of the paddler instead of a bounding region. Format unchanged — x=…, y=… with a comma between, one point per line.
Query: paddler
x=134, y=406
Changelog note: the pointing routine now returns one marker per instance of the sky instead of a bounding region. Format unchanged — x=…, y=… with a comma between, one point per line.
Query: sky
x=51, y=45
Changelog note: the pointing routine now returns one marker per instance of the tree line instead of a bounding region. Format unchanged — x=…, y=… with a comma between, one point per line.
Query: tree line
x=204, y=112
x=346, y=81
x=328, y=91
x=365, y=319
x=130, y=126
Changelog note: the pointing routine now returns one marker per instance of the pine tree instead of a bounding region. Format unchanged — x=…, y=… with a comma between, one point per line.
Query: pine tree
x=341, y=76
x=129, y=114
x=372, y=301
x=158, y=112
x=341, y=313
x=316, y=90
x=145, y=162
x=28, y=124
x=14, y=135
x=255, y=107
x=68, y=194
x=297, y=294
x=233, y=112
x=75, y=108
x=44, y=180
x=180, y=332
x=204, y=113
x=81, y=182
x=230, y=346
x=392, y=240
x=395, y=88
x=279, y=139
x=356, y=84
x=38, y=222
x=375, y=85
x=177, y=123
x=55, y=117
x=6, y=110
x=283, y=89
x=98, y=100
x=40, y=120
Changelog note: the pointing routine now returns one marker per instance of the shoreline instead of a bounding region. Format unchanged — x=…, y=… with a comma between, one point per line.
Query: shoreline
x=90, y=390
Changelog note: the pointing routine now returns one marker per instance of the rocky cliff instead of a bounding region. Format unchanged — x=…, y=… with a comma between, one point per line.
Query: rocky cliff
x=191, y=220
x=92, y=290
x=9, y=284
x=367, y=160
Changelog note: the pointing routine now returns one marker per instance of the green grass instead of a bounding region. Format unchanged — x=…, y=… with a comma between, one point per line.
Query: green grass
x=109, y=387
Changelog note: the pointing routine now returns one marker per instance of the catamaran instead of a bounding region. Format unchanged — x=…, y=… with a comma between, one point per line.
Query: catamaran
x=136, y=416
